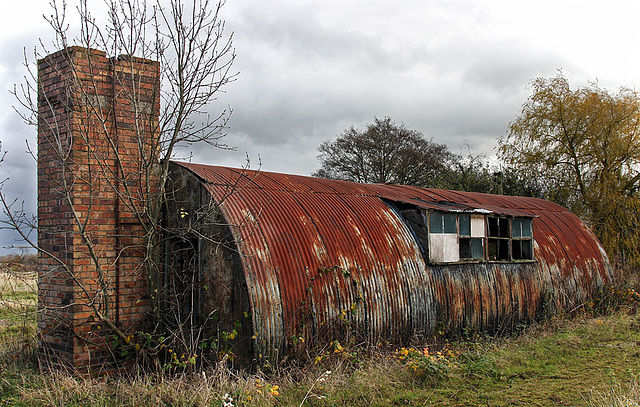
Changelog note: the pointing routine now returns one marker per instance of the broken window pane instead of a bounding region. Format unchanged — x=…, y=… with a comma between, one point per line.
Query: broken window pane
x=465, y=248
x=504, y=227
x=498, y=227
x=498, y=249
x=493, y=227
x=521, y=250
x=471, y=248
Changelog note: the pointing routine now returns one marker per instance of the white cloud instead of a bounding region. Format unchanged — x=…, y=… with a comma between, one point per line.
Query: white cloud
x=456, y=70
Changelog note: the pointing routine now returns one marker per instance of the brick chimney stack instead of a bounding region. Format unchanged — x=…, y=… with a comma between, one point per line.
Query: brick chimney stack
x=97, y=145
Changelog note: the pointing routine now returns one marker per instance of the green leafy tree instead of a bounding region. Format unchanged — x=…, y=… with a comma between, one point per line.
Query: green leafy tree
x=517, y=184
x=472, y=172
x=583, y=147
x=386, y=152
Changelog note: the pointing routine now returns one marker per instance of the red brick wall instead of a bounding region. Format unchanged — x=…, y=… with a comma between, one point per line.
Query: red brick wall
x=97, y=133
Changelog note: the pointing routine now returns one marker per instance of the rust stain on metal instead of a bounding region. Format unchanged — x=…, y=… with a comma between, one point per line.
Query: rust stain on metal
x=323, y=256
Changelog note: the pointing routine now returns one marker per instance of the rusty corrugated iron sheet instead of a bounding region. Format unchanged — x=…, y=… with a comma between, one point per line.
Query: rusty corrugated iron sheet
x=322, y=257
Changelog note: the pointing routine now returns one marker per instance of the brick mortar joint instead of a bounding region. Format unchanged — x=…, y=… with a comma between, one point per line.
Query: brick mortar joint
x=55, y=64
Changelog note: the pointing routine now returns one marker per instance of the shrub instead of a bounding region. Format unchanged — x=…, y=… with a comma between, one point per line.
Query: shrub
x=427, y=365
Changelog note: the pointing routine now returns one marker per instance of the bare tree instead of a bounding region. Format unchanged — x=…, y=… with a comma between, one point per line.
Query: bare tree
x=385, y=152
x=101, y=157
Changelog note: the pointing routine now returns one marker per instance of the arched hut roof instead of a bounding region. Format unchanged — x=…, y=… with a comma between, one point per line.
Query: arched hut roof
x=317, y=251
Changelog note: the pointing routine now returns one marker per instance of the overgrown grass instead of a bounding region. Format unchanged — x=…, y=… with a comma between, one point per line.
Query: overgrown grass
x=591, y=359
x=17, y=284
x=18, y=306
x=585, y=361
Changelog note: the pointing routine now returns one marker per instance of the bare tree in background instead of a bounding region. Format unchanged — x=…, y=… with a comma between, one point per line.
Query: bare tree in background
x=195, y=58
x=385, y=152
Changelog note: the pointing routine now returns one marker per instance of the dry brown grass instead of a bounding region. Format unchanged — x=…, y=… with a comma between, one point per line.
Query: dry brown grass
x=587, y=361
x=18, y=307
x=18, y=283
x=210, y=388
x=591, y=360
x=617, y=396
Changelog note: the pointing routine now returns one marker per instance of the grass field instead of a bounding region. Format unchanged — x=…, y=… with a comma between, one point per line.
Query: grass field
x=590, y=359
x=18, y=298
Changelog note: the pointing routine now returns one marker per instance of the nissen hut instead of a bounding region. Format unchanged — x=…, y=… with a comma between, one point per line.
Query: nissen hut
x=263, y=264
x=308, y=260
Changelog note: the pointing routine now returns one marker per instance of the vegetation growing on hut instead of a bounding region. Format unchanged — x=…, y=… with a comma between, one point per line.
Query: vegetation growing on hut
x=550, y=363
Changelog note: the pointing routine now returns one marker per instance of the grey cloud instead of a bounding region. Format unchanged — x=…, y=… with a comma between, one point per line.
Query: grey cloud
x=455, y=70
x=504, y=69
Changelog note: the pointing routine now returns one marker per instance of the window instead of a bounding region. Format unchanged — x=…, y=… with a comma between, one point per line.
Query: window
x=471, y=238
x=521, y=243
x=509, y=239
x=450, y=237
x=415, y=220
x=443, y=237
x=498, y=238
x=456, y=236
x=440, y=222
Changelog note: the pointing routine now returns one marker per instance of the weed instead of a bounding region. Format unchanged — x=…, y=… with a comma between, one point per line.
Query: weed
x=427, y=365
x=548, y=364
x=18, y=296
x=590, y=360
x=310, y=393
x=612, y=298
x=615, y=396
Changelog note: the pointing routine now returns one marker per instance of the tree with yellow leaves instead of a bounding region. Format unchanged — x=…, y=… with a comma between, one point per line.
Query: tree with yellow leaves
x=584, y=145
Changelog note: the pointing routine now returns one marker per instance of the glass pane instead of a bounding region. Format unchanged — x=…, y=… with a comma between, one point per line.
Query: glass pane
x=476, y=249
x=450, y=223
x=516, y=228
x=465, y=224
x=526, y=227
x=435, y=222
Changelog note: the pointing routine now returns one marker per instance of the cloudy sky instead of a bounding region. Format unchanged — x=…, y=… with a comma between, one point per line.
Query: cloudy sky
x=456, y=70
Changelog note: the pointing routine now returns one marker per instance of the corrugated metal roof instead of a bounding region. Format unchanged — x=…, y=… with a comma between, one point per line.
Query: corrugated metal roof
x=324, y=255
